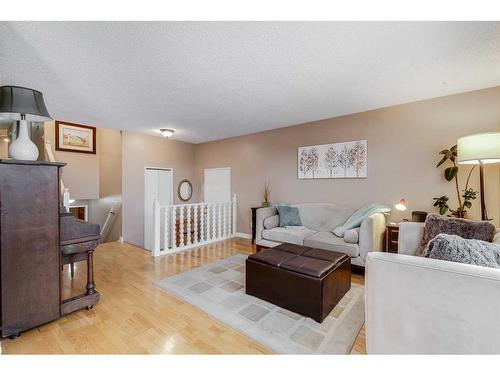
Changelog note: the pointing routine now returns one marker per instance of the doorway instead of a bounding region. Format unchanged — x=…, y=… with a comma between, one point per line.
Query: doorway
x=158, y=185
x=217, y=186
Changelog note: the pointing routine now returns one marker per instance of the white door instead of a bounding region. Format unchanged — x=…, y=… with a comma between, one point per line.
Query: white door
x=158, y=184
x=217, y=185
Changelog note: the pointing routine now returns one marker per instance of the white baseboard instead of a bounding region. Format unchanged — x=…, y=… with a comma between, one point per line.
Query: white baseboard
x=243, y=235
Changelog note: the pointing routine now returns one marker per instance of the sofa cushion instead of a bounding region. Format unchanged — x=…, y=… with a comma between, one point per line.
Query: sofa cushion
x=496, y=238
x=323, y=217
x=294, y=235
x=352, y=235
x=468, y=229
x=457, y=249
x=328, y=241
x=271, y=222
x=289, y=216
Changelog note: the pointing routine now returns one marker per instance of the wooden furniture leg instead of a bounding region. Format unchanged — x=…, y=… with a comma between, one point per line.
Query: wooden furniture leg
x=90, y=274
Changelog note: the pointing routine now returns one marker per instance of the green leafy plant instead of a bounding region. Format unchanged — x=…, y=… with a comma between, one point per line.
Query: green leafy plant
x=451, y=174
x=442, y=203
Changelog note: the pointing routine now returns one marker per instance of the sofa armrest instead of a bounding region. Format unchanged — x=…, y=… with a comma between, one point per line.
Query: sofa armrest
x=371, y=234
x=410, y=235
x=260, y=215
x=417, y=305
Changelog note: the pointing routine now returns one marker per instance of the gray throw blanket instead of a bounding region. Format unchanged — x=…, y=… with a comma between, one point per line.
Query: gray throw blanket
x=457, y=249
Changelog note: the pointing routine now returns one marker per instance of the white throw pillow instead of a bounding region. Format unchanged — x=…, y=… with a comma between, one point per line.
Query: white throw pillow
x=271, y=222
x=351, y=235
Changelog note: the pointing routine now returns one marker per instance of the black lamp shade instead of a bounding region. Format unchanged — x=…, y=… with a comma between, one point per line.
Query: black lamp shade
x=16, y=101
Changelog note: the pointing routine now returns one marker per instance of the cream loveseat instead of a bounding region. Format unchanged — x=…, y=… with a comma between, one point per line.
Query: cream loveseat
x=318, y=220
x=418, y=305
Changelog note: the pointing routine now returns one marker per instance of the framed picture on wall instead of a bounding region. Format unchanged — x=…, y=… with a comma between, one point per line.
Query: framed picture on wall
x=334, y=160
x=75, y=138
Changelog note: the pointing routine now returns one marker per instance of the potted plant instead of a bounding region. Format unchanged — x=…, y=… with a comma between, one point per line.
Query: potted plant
x=464, y=196
x=267, y=193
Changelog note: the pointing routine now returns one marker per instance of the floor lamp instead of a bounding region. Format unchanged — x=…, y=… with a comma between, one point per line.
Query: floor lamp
x=480, y=149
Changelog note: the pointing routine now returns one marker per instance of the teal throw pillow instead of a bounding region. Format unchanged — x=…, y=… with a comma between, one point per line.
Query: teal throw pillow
x=289, y=216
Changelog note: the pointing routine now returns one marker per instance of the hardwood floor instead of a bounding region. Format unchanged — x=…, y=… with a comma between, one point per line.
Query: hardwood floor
x=136, y=317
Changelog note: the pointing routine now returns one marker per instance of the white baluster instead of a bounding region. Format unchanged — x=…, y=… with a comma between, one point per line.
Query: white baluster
x=214, y=223
x=233, y=229
x=173, y=224
x=219, y=221
x=157, y=228
x=202, y=222
x=166, y=229
x=209, y=228
x=228, y=205
x=196, y=208
x=181, y=226
x=224, y=220
x=189, y=239
x=229, y=219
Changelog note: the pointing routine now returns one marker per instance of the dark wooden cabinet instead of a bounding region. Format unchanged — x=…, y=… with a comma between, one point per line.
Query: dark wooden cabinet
x=392, y=238
x=29, y=245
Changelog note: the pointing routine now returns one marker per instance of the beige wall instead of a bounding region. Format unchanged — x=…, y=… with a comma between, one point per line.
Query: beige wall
x=110, y=162
x=140, y=151
x=94, y=180
x=403, y=143
x=81, y=174
x=109, y=143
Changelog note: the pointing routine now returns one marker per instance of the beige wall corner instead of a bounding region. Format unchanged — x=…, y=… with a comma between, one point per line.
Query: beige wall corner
x=140, y=151
x=81, y=174
x=110, y=180
x=94, y=180
x=110, y=162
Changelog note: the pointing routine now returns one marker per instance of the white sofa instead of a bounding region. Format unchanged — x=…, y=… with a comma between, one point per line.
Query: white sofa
x=418, y=305
x=319, y=219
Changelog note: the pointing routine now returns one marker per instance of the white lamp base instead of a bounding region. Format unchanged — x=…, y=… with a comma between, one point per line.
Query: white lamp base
x=23, y=148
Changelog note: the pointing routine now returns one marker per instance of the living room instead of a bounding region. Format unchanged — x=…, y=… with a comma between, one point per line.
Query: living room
x=200, y=187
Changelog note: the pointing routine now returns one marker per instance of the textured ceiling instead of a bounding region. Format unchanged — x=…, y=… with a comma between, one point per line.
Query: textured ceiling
x=213, y=80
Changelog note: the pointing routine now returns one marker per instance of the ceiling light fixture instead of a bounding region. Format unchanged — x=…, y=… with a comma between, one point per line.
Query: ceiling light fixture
x=167, y=133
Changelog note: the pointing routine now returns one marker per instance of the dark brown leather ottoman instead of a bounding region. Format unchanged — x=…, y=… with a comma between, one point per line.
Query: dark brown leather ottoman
x=307, y=281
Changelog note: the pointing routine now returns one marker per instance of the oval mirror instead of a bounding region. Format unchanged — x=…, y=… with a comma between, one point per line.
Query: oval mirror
x=185, y=190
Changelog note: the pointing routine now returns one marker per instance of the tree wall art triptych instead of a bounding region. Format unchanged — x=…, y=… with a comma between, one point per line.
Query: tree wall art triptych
x=335, y=160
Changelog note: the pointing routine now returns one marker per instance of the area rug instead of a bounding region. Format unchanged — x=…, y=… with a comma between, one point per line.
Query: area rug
x=219, y=290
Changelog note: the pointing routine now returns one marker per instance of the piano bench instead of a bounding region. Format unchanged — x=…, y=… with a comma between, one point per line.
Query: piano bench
x=82, y=247
x=77, y=252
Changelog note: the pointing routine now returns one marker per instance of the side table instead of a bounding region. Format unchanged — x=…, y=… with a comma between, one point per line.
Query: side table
x=391, y=238
x=254, y=221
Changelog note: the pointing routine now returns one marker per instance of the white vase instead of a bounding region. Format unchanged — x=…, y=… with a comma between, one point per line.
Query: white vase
x=23, y=148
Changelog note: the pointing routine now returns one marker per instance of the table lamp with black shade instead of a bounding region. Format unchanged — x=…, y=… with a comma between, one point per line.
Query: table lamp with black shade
x=480, y=149
x=23, y=104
